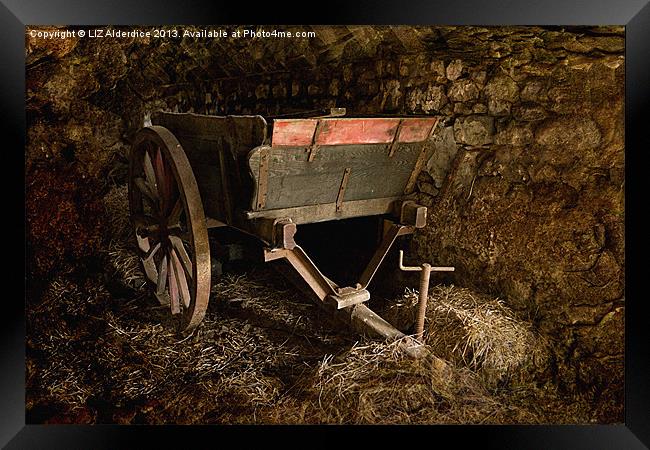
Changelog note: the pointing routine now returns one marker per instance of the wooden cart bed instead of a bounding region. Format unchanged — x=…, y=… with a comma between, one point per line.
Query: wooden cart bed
x=311, y=170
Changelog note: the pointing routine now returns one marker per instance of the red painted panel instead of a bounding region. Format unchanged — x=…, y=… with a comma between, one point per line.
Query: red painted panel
x=356, y=131
x=293, y=131
x=299, y=132
x=415, y=130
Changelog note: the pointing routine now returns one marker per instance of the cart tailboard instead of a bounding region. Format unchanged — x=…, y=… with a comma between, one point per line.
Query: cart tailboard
x=330, y=165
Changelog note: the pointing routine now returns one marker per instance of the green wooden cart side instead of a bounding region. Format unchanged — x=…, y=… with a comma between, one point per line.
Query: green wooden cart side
x=299, y=169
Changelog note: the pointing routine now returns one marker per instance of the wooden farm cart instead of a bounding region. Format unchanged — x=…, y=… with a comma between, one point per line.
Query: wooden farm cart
x=190, y=172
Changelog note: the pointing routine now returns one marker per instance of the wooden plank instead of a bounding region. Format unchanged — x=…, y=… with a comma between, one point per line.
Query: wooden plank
x=249, y=131
x=294, y=181
x=208, y=180
x=293, y=132
x=356, y=131
x=198, y=149
x=325, y=212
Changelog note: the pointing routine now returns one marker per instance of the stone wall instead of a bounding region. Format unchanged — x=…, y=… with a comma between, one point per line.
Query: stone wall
x=526, y=184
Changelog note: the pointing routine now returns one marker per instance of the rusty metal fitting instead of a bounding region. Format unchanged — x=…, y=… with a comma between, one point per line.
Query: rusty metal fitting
x=422, y=304
x=278, y=233
x=425, y=276
x=284, y=231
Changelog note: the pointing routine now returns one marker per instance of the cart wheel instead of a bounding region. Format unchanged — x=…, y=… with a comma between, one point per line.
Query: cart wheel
x=169, y=224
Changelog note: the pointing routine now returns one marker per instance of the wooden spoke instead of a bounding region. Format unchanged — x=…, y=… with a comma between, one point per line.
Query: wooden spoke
x=173, y=288
x=149, y=173
x=179, y=248
x=162, y=276
x=183, y=290
x=183, y=235
x=163, y=179
x=148, y=261
x=151, y=253
x=150, y=270
x=175, y=216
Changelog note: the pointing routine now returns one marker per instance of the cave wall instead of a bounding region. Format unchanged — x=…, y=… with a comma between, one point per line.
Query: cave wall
x=526, y=184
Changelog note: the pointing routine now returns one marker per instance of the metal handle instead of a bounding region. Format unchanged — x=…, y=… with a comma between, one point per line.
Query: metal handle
x=417, y=268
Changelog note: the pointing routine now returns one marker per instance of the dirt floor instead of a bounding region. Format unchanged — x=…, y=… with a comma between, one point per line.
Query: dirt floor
x=101, y=350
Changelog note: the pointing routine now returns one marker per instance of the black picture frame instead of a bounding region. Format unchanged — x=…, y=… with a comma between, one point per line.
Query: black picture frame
x=634, y=14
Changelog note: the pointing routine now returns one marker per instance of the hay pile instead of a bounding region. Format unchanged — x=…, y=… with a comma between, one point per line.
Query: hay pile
x=112, y=356
x=263, y=354
x=126, y=355
x=122, y=260
x=373, y=383
x=483, y=333
x=53, y=335
x=475, y=331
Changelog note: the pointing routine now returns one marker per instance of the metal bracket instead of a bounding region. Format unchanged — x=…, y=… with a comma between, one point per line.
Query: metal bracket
x=393, y=144
x=263, y=179
x=277, y=232
x=341, y=194
x=423, y=266
x=347, y=296
x=313, y=148
x=419, y=164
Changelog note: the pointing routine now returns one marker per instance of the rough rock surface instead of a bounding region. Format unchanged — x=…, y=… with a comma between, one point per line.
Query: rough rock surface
x=526, y=182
